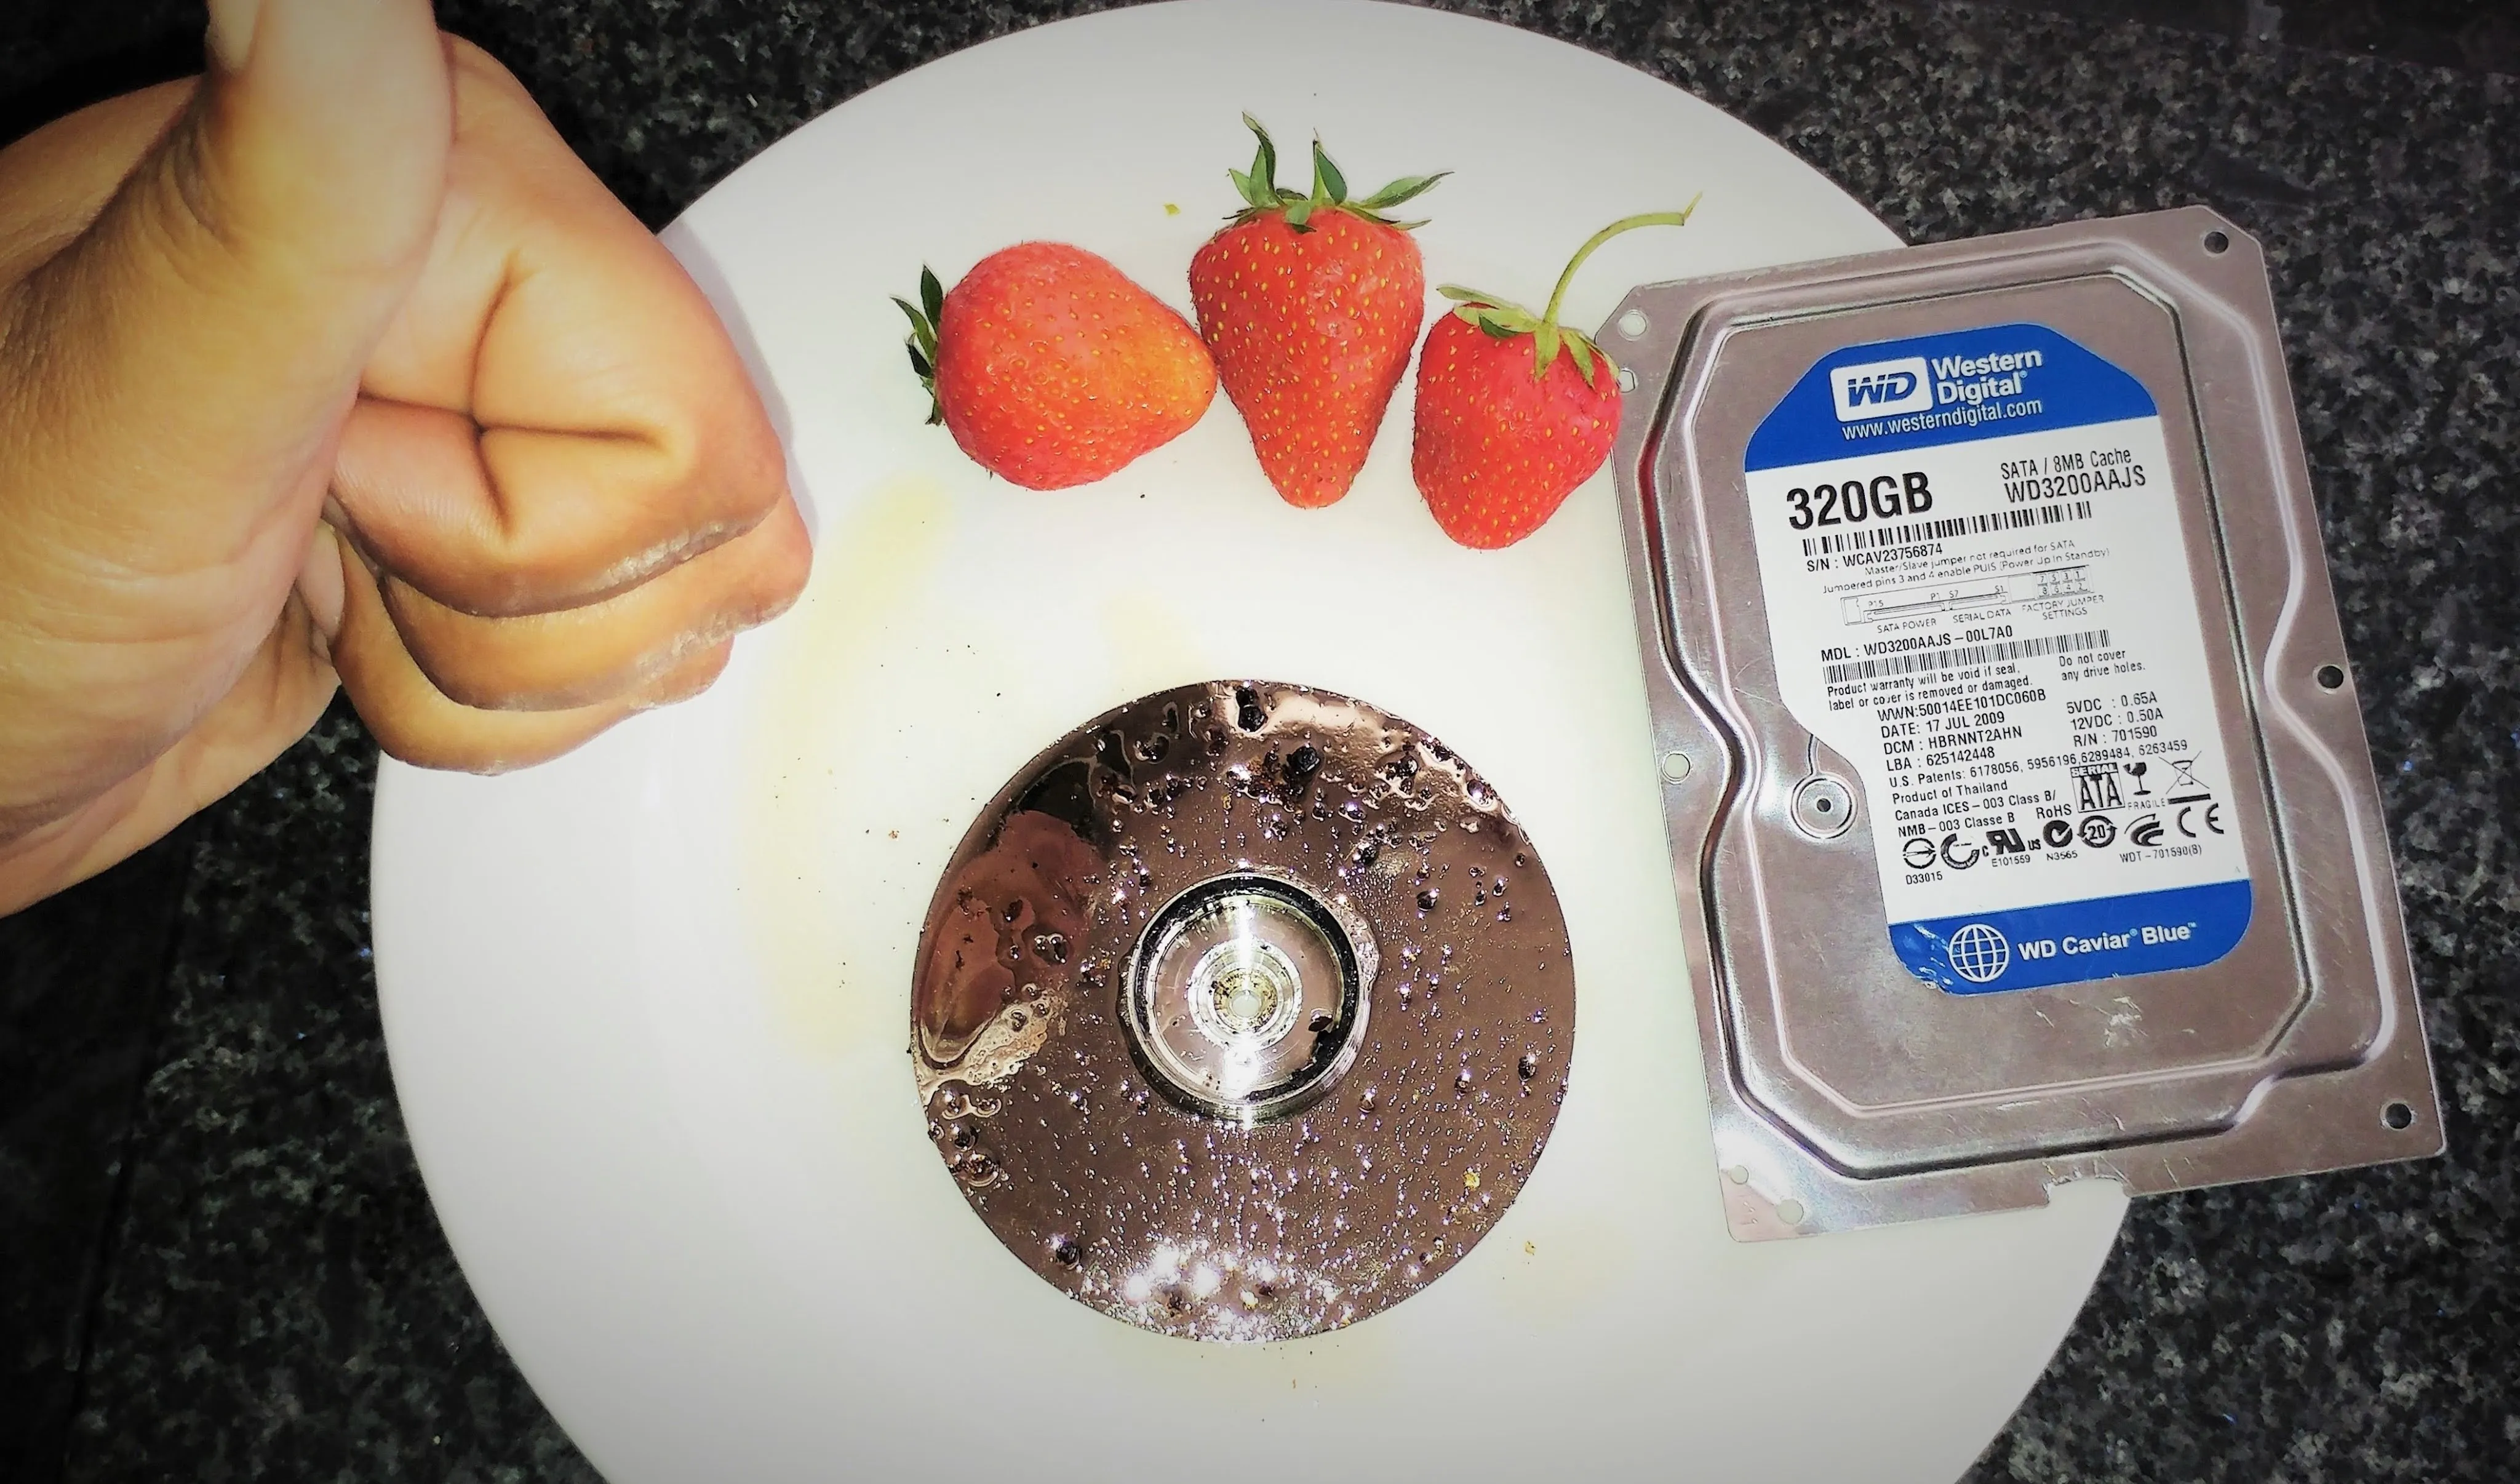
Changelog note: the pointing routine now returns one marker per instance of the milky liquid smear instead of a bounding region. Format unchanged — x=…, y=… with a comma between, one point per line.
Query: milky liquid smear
x=809, y=755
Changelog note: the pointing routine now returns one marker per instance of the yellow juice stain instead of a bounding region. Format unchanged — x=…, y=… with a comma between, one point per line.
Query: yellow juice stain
x=800, y=811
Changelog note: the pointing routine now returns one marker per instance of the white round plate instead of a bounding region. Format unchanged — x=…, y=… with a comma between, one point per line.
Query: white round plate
x=648, y=1006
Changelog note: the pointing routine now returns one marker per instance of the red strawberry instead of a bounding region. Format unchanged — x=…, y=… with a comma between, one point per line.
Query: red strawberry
x=1049, y=367
x=1507, y=426
x=1311, y=304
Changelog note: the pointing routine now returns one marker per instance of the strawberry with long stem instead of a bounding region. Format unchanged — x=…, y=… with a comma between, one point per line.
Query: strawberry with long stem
x=1514, y=410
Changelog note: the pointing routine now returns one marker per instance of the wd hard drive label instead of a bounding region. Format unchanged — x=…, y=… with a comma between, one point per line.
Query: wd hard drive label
x=1979, y=595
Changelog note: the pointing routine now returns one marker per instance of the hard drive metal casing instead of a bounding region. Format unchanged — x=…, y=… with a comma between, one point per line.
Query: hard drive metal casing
x=1950, y=945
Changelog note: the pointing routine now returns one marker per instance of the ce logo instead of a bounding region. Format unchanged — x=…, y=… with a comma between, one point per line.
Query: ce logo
x=2211, y=816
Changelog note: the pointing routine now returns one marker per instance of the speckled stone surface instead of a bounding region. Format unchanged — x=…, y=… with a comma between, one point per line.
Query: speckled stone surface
x=80, y=980
x=277, y=1302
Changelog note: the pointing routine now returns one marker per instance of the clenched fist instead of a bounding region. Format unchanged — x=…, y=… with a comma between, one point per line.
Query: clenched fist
x=334, y=365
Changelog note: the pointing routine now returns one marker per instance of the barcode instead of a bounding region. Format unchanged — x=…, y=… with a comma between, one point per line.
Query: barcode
x=1976, y=653
x=1955, y=525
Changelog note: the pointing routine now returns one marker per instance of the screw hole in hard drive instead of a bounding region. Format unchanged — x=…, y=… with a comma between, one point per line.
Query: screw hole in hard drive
x=2330, y=677
x=2218, y=242
x=2398, y=1116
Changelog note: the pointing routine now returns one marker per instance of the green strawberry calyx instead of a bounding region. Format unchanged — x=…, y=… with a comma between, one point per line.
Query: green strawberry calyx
x=1504, y=319
x=1262, y=193
x=925, y=316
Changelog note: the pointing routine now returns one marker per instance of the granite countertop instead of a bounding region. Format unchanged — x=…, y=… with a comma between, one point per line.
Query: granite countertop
x=220, y=1261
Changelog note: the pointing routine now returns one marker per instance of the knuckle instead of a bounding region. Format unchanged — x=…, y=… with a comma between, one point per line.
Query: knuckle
x=732, y=457
x=694, y=675
x=465, y=684
x=403, y=730
x=761, y=471
x=447, y=655
x=485, y=671
x=791, y=567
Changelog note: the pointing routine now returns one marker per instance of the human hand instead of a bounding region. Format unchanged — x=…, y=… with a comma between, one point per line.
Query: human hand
x=338, y=363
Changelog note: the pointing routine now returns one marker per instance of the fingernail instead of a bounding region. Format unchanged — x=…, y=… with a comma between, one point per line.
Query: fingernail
x=231, y=34
x=342, y=34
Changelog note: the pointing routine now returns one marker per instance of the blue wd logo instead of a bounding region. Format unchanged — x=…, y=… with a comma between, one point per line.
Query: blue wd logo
x=1878, y=389
x=2145, y=932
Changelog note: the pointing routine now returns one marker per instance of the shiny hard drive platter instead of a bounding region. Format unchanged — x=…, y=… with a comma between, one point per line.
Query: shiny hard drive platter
x=1243, y=1011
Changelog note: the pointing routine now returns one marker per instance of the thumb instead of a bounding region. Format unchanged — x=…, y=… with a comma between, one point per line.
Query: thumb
x=174, y=369
x=213, y=319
